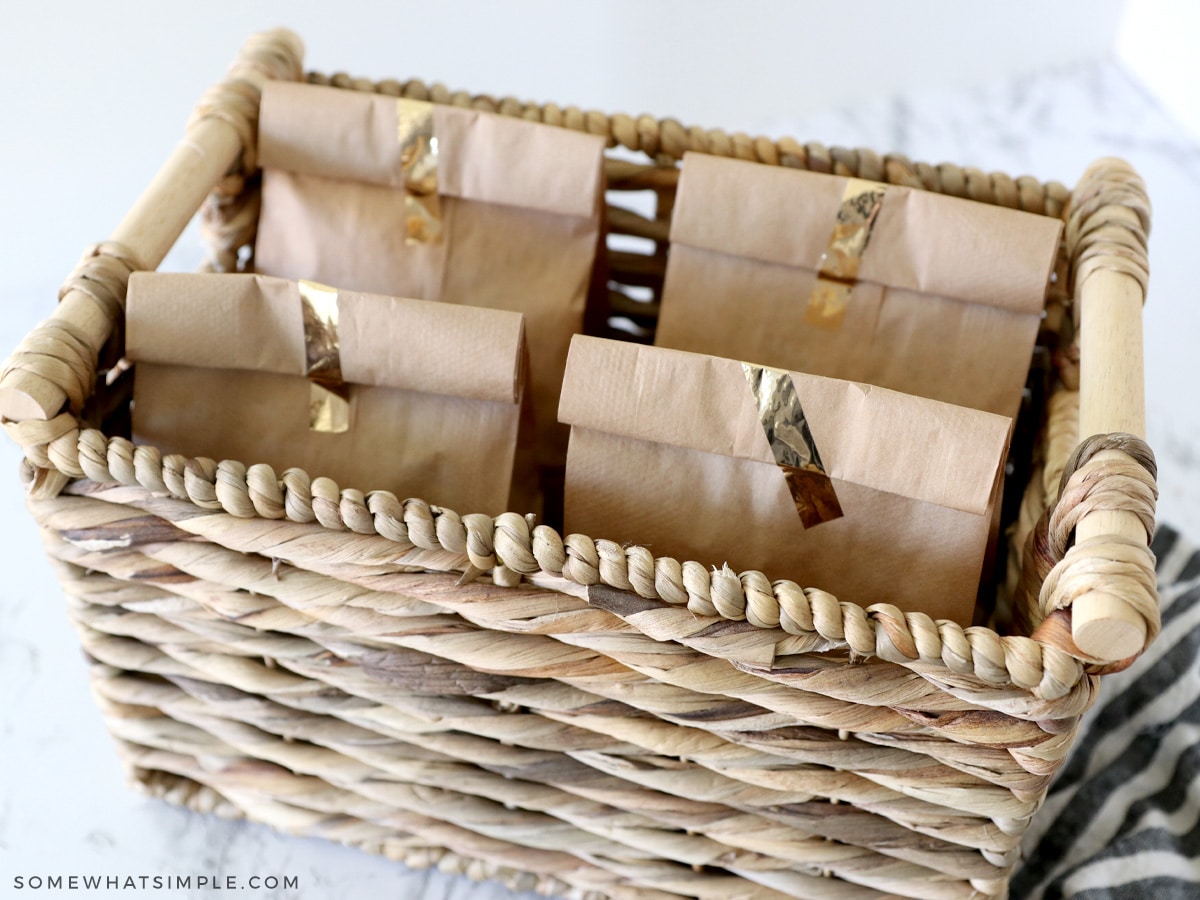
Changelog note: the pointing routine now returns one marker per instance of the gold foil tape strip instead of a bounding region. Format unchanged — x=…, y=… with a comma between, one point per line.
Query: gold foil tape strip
x=418, y=164
x=792, y=444
x=838, y=271
x=329, y=396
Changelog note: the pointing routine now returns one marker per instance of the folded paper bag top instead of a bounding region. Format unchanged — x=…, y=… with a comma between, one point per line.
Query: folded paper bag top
x=225, y=370
x=358, y=136
x=915, y=291
x=671, y=450
x=415, y=199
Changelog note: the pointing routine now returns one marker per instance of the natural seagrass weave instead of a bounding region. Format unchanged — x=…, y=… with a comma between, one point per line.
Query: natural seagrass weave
x=567, y=713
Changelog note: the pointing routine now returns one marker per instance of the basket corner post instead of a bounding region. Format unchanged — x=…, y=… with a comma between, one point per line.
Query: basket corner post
x=51, y=375
x=1106, y=578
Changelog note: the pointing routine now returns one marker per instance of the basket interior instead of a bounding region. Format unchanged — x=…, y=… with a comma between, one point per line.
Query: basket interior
x=624, y=298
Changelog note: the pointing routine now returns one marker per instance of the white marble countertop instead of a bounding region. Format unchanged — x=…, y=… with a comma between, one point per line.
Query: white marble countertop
x=63, y=806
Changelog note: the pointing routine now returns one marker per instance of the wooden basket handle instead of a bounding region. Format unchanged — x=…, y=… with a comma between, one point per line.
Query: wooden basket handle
x=54, y=366
x=1107, y=225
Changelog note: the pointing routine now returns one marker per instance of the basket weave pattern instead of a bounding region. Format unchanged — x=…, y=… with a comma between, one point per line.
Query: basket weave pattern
x=567, y=713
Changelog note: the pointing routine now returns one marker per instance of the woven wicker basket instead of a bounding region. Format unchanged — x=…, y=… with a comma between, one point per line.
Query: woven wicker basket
x=573, y=714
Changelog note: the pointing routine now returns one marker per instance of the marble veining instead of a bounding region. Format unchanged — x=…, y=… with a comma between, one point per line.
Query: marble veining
x=63, y=804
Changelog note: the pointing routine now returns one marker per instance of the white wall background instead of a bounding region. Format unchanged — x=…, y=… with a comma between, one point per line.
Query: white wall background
x=96, y=94
x=1156, y=41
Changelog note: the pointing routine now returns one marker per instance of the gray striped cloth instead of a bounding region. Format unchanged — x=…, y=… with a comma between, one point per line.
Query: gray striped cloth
x=1122, y=820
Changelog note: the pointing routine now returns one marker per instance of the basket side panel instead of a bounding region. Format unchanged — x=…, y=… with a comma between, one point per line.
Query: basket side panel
x=297, y=696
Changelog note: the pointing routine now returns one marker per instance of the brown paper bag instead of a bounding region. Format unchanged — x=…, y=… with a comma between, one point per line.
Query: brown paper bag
x=910, y=290
x=420, y=399
x=414, y=199
x=873, y=495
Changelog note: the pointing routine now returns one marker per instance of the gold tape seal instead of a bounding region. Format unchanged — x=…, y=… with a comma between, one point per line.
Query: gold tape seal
x=329, y=400
x=792, y=444
x=418, y=163
x=838, y=271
